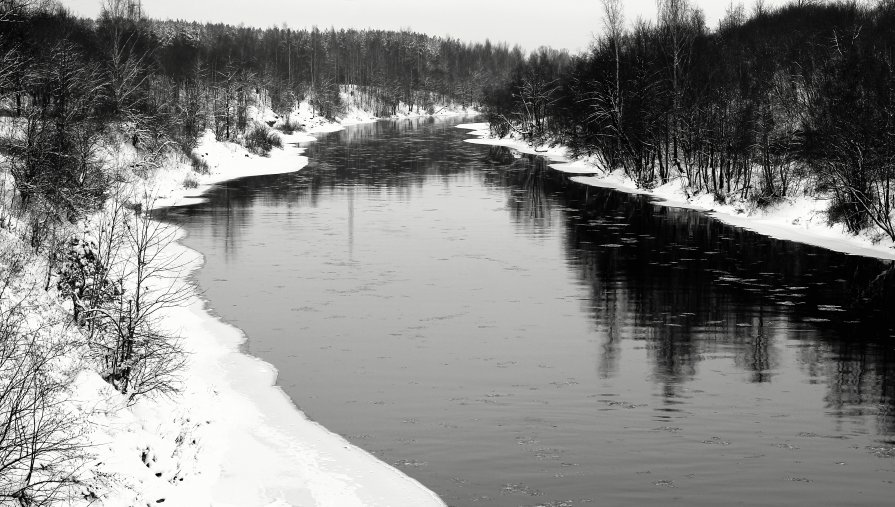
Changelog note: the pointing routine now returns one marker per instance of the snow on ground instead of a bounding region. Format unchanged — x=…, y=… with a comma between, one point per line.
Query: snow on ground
x=483, y=136
x=225, y=161
x=801, y=219
x=242, y=441
x=304, y=114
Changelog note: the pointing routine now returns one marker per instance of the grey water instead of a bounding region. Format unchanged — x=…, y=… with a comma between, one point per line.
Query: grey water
x=509, y=337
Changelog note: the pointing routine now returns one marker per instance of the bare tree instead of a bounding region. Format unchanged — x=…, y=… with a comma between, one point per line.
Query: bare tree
x=124, y=76
x=759, y=8
x=614, y=23
x=734, y=16
x=11, y=9
x=679, y=22
x=139, y=355
x=122, y=9
x=54, y=157
x=40, y=447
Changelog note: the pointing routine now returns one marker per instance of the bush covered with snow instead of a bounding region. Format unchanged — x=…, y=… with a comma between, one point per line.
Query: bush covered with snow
x=261, y=139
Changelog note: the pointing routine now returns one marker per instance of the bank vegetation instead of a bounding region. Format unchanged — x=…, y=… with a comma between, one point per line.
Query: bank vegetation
x=770, y=104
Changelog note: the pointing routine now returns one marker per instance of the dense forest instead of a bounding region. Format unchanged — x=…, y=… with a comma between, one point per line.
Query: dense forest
x=798, y=98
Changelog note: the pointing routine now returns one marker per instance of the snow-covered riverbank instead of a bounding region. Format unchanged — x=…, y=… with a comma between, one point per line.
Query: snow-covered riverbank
x=257, y=448
x=231, y=437
x=801, y=219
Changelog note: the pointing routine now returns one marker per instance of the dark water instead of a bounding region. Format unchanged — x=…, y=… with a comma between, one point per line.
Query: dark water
x=511, y=338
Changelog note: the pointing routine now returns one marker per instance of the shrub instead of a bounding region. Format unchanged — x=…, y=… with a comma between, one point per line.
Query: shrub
x=261, y=139
x=290, y=126
x=498, y=126
x=199, y=164
x=190, y=181
x=845, y=210
x=763, y=198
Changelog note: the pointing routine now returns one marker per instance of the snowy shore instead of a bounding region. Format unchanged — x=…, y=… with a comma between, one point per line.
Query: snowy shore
x=267, y=451
x=800, y=219
x=231, y=438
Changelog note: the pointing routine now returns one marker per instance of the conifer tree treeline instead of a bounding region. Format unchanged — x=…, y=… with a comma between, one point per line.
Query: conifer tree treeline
x=779, y=101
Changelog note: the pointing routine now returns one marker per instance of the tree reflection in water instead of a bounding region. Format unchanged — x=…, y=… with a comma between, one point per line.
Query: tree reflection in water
x=692, y=287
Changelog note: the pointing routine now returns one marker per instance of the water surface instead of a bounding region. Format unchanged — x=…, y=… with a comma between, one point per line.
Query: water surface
x=509, y=337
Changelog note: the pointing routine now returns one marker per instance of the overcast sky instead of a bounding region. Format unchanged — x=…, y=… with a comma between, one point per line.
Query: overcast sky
x=568, y=24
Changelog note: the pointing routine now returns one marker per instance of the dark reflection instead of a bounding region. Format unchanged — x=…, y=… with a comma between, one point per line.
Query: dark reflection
x=452, y=308
x=689, y=283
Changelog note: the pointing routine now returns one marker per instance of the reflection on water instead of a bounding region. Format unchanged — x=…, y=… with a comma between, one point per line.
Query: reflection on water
x=512, y=338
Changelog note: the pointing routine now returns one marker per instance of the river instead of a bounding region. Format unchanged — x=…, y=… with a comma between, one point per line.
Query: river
x=509, y=337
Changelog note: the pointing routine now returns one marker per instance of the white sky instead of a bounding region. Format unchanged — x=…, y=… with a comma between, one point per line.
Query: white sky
x=568, y=24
